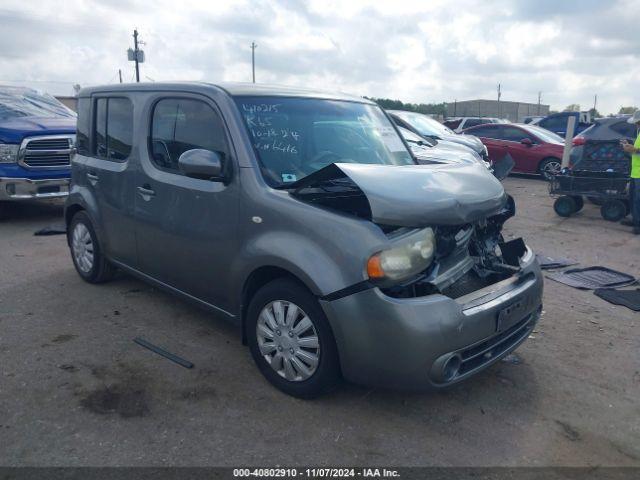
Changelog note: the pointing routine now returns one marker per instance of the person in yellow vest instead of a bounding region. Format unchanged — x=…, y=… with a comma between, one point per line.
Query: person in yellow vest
x=634, y=150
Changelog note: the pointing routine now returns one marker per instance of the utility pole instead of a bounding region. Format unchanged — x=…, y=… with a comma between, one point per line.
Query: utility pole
x=595, y=102
x=120, y=74
x=499, y=95
x=539, y=99
x=135, y=50
x=253, y=61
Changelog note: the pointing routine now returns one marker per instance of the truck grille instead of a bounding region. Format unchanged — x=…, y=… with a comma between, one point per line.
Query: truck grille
x=46, y=152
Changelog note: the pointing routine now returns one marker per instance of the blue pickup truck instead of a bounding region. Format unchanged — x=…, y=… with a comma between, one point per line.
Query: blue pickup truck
x=37, y=137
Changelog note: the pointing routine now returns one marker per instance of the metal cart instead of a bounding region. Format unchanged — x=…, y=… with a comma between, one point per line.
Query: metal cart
x=601, y=174
x=609, y=189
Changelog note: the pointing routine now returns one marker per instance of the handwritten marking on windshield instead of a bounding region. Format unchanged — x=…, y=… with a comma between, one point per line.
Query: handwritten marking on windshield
x=261, y=107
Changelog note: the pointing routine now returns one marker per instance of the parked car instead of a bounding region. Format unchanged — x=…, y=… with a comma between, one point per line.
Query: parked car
x=557, y=122
x=532, y=119
x=462, y=123
x=429, y=128
x=533, y=149
x=612, y=128
x=439, y=151
x=301, y=217
x=36, y=138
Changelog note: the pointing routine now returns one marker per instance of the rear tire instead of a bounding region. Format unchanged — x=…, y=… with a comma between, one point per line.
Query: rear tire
x=302, y=362
x=565, y=206
x=86, y=251
x=549, y=167
x=613, y=210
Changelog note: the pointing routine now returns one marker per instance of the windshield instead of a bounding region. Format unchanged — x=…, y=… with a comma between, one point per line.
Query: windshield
x=544, y=134
x=295, y=137
x=26, y=102
x=423, y=124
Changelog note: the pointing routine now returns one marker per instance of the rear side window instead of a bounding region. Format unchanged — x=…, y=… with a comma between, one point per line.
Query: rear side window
x=113, y=128
x=625, y=129
x=181, y=124
x=486, y=132
x=83, y=138
x=101, y=128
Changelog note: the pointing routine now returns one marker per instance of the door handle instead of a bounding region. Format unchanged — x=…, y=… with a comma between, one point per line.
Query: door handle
x=146, y=192
x=93, y=178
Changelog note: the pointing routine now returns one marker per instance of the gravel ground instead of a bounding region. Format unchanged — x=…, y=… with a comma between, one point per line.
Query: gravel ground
x=75, y=389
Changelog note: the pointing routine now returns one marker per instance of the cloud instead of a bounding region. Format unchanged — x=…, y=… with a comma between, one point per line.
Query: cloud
x=411, y=50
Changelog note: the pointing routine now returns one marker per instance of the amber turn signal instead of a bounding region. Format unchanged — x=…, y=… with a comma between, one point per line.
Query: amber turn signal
x=374, y=268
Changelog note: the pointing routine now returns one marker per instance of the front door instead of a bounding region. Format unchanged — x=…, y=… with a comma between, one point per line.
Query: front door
x=525, y=156
x=186, y=227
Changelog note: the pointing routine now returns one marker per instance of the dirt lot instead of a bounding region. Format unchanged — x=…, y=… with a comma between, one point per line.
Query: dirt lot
x=75, y=389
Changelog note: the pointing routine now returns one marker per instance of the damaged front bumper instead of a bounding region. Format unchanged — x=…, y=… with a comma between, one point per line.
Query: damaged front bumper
x=434, y=340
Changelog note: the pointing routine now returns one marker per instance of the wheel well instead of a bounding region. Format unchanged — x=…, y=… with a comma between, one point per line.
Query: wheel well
x=70, y=212
x=255, y=282
x=545, y=159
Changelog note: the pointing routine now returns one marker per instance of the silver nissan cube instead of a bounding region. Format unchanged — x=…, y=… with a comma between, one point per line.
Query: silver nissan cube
x=303, y=218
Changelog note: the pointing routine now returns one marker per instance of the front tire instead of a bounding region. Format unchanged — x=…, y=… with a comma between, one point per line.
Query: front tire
x=86, y=251
x=291, y=340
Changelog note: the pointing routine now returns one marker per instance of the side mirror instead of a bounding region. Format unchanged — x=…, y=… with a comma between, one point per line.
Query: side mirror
x=201, y=163
x=526, y=141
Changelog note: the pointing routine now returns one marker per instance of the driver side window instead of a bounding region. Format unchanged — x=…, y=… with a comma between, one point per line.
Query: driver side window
x=181, y=124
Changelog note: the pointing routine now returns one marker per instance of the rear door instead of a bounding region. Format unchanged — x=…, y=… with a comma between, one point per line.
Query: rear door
x=186, y=227
x=107, y=174
x=489, y=135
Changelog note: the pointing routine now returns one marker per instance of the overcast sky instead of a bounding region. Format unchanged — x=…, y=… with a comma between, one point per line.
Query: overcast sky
x=414, y=51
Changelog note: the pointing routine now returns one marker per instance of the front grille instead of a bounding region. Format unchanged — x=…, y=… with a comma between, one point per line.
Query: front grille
x=479, y=354
x=46, y=152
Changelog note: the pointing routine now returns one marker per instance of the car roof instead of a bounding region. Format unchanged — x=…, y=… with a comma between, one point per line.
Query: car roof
x=231, y=88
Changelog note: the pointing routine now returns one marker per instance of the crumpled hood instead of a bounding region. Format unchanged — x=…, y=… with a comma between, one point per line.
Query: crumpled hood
x=469, y=141
x=444, y=152
x=416, y=195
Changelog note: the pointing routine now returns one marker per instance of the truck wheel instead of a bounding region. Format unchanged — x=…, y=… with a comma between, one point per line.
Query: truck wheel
x=291, y=341
x=86, y=252
x=549, y=167
x=579, y=202
x=565, y=206
x=613, y=210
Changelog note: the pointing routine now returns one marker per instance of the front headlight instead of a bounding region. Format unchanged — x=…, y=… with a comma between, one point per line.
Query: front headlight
x=8, y=153
x=410, y=256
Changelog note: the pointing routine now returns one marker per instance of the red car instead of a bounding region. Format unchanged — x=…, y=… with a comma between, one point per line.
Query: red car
x=533, y=149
